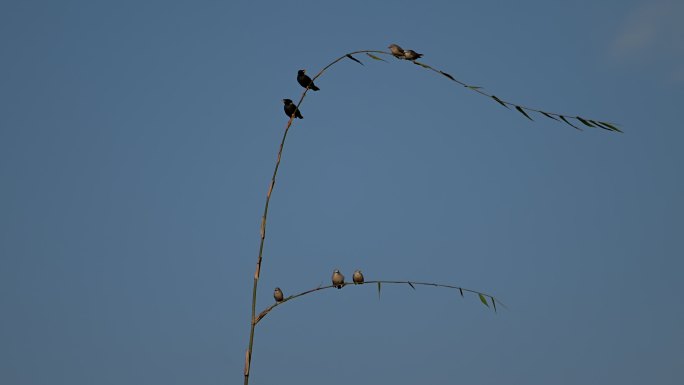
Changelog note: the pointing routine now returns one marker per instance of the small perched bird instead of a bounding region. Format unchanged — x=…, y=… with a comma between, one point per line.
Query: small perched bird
x=290, y=108
x=396, y=51
x=357, y=277
x=412, y=55
x=305, y=81
x=278, y=294
x=337, y=279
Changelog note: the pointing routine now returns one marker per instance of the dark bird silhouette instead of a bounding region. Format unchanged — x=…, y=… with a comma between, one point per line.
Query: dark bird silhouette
x=290, y=109
x=412, y=55
x=306, y=81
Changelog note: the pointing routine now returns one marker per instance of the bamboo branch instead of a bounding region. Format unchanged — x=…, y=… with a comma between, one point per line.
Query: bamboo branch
x=412, y=284
x=254, y=320
x=520, y=108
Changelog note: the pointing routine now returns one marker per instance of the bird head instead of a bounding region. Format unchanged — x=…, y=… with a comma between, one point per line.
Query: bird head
x=287, y=101
x=301, y=72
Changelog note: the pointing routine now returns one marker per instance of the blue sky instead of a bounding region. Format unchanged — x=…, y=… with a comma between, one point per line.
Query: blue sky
x=137, y=142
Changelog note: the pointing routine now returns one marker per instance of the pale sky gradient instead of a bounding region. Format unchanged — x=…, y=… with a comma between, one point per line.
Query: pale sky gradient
x=652, y=32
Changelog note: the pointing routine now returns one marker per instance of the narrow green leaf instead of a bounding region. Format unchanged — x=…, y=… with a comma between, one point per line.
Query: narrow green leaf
x=461, y=290
x=474, y=87
x=354, y=59
x=483, y=299
x=447, y=75
x=584, y=122
x=375, y=57
x=523, y=112
x=549, y=116
x=493, y=303
x=499, y=101
x=422, y=65
x=599, y=125
x=412, y=287
x=610, y=126
x=566, y=121
x=378, y=290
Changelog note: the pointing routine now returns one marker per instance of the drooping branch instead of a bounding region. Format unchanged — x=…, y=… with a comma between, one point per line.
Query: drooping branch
x=481, y=295
x=595, y=123
x=522, y=109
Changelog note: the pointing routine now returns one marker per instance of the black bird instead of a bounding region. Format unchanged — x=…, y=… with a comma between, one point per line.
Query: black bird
x=290, y=109
x=305, y=81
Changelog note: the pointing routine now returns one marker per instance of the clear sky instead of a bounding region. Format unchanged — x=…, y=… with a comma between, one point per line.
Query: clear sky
x=137, y=141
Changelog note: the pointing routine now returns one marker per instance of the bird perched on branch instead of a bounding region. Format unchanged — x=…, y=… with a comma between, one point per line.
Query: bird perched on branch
x=412, y=55
x=290, y=108
x=357, y=277
x=306, y=81
x=337, y=279
x=278, y=295
x=396, y=51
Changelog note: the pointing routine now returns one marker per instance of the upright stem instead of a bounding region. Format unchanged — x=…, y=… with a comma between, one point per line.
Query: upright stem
x=248, y=354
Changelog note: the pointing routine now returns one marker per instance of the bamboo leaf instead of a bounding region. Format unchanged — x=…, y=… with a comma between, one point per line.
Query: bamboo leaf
x=378, y=290
x=461, y=290
x=375, y=57
x=612, y=127
x=523, y=112
x=422, y=65
x=493, y=303
x=584, y=122
x=474, y=87
x=499, y=101
x=566, y=121
x=412, y=287
x=354, y=59
x=599, y=125
x=447, y=75
x=483, y=299
x=549, y=116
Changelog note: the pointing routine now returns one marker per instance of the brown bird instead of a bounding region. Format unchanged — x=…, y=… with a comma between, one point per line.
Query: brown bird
x=396, y=51
x=337, y=279
x=278, y=295
x=357, y=277
x=412, y=55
